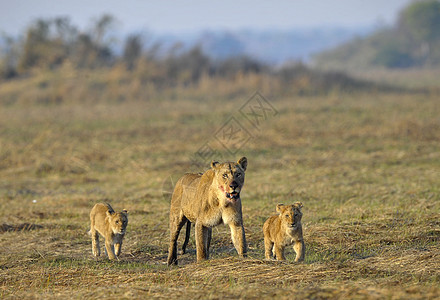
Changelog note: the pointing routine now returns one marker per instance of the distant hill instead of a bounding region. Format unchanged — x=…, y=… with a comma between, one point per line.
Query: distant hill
x=414, y=41
x=269, y=46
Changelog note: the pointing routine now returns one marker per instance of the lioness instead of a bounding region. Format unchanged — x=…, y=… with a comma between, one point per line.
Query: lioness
x=208, y=199
x=111, y=225
x=283, y=230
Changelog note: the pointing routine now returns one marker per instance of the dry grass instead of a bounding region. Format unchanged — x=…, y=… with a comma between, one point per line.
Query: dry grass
x=408, y=78
x=364, y=165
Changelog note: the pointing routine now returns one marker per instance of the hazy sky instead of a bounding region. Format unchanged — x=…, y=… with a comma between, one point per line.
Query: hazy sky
x=183, y=16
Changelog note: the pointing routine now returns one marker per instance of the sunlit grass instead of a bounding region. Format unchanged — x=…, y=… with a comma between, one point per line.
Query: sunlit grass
x=364, y=165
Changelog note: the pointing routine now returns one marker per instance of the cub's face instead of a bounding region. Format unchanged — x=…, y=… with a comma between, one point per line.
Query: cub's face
x=118, y=221
x=229, y=179
x=290, y=215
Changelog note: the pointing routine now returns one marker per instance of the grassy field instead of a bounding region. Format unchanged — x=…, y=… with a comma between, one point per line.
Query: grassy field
x=366, y=167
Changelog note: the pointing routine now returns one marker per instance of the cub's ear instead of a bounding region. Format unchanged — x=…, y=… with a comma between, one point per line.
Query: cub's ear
x=214, y=164
x=243, y=163
x=298, y=204
x=280, y=207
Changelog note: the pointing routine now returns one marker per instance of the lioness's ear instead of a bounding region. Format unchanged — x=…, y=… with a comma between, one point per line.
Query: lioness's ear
x=298, y=204
x=125, y=211
x=108, y=213
x=243, y=163
x=214, y=164
x=279, y=207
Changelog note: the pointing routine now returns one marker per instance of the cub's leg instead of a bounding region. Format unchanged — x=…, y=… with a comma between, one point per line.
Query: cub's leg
x=187, y=233
x=209, y=239
x=238, y=239
x=95, y=242
x=176, y=224
x=268, y=246
x=110, y=249
x=279, y=252
x=300, y=250
x=94, y=234
x=202, y=237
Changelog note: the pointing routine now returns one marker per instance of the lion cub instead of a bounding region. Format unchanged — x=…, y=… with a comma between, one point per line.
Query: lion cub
x=111, y=225
x=283, y=230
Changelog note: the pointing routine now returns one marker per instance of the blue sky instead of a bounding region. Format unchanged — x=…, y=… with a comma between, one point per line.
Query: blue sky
x=188, y=16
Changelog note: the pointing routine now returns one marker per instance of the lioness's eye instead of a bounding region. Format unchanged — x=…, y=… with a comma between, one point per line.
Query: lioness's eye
x=225, y=176
x=117, y=222
x=287, y=216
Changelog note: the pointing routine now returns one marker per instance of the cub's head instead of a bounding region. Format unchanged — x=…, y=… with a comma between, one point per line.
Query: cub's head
x=118, y=221
x=229, y=179
x=290, y=215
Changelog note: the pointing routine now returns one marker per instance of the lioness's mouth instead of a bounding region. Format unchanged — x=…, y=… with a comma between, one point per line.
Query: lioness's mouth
x=234, y=195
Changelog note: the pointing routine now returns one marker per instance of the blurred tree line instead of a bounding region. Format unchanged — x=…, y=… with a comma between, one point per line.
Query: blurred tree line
x=145, y=68
x=51, y=43
x=414, y=41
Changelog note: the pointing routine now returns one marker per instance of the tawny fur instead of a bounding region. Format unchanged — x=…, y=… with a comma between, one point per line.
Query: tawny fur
x=207, y=200
x=111, y=225
x=283, y=230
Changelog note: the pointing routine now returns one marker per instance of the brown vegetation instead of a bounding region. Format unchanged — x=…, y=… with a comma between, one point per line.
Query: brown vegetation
x=365, y=164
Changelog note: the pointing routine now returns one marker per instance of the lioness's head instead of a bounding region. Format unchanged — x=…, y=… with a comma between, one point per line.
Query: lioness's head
x=229, y=179
x=290, y=215
x=118, y=221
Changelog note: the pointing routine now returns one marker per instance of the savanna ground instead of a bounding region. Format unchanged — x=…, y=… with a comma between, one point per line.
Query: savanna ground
x=365, y=165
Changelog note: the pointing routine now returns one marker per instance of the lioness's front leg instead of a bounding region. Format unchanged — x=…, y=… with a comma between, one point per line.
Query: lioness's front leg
x=300, y=249
x=110, y=249
x=238, y=239
x=202, y=241
x=118, y=248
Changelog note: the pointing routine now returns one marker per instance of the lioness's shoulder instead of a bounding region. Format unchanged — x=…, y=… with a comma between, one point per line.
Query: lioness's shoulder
x=189, y=179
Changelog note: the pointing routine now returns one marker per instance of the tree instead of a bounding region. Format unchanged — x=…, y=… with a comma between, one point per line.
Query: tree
x=9, y=54
x=100, y=31
x=93, y=48
x=47, y=43
x=413, y=42
x=187, y=67
x=35, y=44
x=132, y=50
x=231, y=66
x=422, y=20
